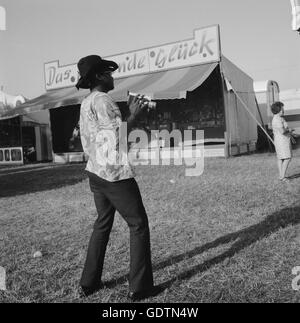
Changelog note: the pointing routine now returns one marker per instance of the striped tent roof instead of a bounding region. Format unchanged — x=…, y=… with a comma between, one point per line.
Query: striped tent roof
x=170, y=84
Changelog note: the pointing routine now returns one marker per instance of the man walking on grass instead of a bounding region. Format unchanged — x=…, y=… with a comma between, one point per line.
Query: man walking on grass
x=111, y=180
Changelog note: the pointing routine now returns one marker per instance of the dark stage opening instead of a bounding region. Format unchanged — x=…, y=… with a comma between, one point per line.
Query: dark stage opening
x=65, y=129
x=203, y=109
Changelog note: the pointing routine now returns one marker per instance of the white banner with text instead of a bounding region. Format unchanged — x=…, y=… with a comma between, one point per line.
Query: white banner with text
x=203, y=48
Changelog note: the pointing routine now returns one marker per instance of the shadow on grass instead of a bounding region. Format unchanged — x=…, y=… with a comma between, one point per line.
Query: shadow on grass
x=38, y=180
x=294, y=176
x=243, y=239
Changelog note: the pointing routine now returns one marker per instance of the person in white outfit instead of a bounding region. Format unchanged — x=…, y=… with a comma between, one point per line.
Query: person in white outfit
x=282, y=139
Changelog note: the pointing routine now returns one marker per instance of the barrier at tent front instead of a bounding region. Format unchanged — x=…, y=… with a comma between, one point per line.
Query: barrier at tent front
x=11, y=156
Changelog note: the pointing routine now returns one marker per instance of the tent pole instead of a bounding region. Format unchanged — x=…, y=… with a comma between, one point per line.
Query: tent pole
x=227, y=148
x=21, y=135
x=50, y=137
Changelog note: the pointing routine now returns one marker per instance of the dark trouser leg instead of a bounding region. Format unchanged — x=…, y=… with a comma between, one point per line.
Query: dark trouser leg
x=126, y=198
x=92, y=272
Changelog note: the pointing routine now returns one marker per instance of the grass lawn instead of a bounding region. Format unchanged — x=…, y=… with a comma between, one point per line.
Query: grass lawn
x=230, y=235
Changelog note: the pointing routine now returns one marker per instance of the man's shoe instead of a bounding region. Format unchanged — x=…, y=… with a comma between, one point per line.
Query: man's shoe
x=87, y=291
x=138, y=296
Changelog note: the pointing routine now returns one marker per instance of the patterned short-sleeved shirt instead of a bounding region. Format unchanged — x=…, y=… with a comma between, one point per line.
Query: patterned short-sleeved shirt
x=100, y=122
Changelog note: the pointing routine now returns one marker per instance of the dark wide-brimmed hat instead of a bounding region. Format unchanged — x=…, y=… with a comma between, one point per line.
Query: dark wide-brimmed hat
x=90, y=65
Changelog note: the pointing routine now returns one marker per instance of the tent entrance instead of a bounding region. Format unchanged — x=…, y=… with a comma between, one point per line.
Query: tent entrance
x=65, y=129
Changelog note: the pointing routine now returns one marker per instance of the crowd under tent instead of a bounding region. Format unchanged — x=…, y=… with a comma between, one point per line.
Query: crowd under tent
x=216, y=97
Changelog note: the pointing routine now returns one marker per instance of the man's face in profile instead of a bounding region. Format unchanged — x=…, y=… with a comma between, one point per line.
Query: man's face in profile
x=107, y=80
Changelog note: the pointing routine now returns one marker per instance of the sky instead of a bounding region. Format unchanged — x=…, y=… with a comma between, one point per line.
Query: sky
x=256, y=35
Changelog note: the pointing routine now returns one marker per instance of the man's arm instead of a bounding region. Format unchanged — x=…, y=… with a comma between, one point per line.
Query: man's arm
x=135, y=108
